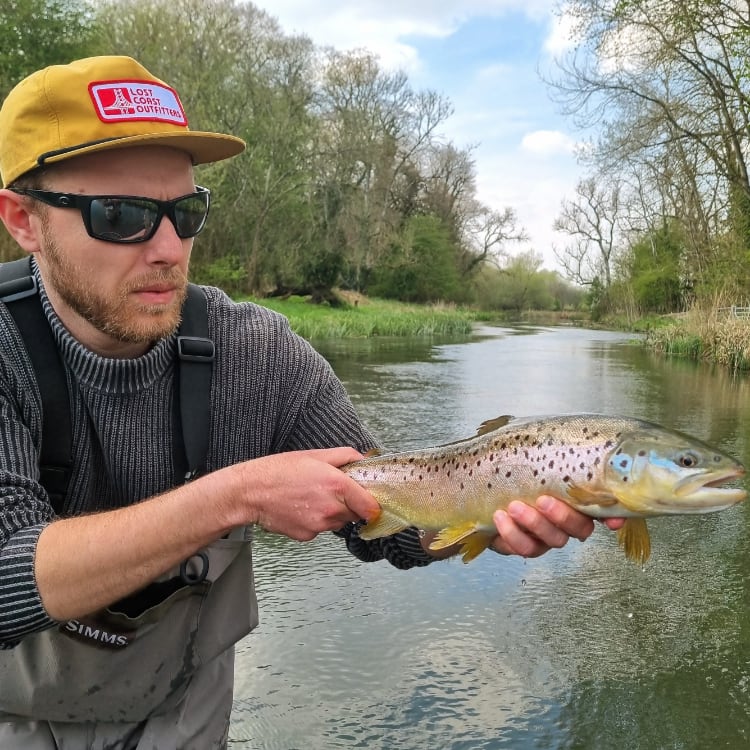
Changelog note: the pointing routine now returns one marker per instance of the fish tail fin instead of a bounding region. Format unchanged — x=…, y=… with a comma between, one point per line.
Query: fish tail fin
x=634, y=538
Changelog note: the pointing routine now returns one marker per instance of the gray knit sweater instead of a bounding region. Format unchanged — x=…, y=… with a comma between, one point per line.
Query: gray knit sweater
x=271, y=392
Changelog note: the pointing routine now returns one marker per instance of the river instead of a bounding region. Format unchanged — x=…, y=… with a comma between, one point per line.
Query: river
x=576, y=650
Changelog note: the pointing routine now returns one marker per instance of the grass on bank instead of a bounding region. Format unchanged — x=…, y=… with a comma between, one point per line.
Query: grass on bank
x=706, y=337
x=370, y=317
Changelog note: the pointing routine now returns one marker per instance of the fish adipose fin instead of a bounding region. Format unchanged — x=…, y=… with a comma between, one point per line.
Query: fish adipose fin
x=472, y=541
x=635, y=540
x=384, y=524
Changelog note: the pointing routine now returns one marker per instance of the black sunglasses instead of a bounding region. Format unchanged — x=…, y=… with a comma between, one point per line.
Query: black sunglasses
x=130, y=218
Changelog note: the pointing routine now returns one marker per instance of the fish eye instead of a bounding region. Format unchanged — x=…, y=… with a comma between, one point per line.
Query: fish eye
x=688, y=460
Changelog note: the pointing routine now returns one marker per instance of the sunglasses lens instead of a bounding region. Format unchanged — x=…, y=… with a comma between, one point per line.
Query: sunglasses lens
x=190, y=214
x=122, y=219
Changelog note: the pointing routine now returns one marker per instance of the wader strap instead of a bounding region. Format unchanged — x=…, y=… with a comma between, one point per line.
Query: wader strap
x=196, y=353
x=18, y=289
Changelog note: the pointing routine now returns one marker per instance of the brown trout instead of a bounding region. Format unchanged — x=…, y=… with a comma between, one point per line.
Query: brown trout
x=603, y=466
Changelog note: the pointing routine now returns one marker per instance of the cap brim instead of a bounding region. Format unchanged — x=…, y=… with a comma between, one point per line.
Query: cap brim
x=204, y=148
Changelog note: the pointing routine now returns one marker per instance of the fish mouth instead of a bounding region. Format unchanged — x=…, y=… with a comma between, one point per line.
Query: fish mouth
x=705, y=491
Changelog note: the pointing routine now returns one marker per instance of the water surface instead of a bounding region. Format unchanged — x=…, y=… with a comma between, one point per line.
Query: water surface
x=577, y=649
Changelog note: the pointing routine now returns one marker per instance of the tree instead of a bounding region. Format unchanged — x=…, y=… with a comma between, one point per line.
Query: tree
x=668, y=80
x=591, y=220
x=37, y=33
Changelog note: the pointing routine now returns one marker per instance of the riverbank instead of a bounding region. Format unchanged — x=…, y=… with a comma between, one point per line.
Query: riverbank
x=705, y=337
x=696, y=335
x=364, y=317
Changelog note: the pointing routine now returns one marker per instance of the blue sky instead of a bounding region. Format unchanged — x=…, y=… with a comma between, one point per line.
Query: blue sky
x=485, y=56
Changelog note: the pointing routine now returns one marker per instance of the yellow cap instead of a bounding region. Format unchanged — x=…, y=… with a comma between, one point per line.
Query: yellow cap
x=96, y=104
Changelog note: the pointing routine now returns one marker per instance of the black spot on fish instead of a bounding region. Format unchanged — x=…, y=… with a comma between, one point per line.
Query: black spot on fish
x=507, y=474
x=489, y=485
x=544, y=481
x=551, y=464
x=536, y=472
x=471, y=472
x=585, y=430
x=589, y=476
x=503, y=446
x=466, y=466
x=623, y=463
x=608, y=444
x=566, y=478
x=641, y=453
x=479, y=463
x=624, y=479
x=462, y=485
x=492, y=457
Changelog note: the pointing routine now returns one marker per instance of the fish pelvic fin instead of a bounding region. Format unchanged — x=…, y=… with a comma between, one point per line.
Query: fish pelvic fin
x=474, y=545
x=473, y=541
x=634, y=538
x=384, y=524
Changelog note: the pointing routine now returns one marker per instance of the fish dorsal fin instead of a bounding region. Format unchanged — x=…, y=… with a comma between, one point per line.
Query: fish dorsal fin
x=493, y=424
x=373, y=452
x=635, y=540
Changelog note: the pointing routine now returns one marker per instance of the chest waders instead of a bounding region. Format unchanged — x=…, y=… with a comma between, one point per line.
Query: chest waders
x=163, y=656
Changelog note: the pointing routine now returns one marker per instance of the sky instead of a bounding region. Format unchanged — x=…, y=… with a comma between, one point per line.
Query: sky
x=485, y=57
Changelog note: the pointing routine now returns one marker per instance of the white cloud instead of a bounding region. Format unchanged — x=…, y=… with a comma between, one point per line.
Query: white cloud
x=548, y=143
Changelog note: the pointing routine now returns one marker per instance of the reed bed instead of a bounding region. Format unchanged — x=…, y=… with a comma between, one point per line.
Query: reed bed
x=371, y=318
x=707, y=337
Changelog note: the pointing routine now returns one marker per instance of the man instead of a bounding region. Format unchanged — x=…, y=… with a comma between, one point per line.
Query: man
x=100, y=646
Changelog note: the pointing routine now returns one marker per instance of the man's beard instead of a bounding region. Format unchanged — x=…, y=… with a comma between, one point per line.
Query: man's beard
x=117, y=315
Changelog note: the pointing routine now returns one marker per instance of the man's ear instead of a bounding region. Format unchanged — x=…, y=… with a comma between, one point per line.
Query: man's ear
x=22, y=225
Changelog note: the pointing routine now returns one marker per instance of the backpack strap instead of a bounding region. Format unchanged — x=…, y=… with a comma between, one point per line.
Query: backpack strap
x=19, y=291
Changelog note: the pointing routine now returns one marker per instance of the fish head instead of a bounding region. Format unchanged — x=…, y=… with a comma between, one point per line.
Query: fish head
x=656, y=471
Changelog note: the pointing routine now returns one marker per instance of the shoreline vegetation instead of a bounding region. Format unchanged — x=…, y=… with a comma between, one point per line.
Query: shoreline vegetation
x=705, y=337
x=697, y=335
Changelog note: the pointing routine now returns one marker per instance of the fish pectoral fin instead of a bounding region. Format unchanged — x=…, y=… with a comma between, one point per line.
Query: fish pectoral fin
x=634, y=538
x=384, y=524
x=588, y=496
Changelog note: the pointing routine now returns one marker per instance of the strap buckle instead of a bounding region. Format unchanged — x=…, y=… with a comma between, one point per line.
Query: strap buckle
x=195, y=349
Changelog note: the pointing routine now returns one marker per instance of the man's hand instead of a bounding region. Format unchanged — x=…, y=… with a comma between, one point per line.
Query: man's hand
x=302, y=493
x=530, y=531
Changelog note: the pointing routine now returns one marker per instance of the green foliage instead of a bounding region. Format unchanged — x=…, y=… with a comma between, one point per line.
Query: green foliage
x=422, y=265
x=373, y=318
x=225, y=272
x=37, y=33
x=655, y=271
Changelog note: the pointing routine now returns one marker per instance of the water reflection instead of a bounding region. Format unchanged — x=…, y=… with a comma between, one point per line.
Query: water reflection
x=579, y=649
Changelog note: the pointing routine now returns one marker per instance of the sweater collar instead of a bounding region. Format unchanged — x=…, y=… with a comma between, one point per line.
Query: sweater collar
x=104, y=373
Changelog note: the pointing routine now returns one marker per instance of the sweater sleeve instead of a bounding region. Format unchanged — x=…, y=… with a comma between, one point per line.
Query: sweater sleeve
x=24, y=512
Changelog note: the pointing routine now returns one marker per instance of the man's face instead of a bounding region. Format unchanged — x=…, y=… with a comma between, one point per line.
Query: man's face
x=112, y=294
